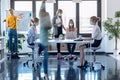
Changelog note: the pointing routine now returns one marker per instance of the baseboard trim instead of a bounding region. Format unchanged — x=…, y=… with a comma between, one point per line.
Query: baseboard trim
x=77, y=53
x=66, y=53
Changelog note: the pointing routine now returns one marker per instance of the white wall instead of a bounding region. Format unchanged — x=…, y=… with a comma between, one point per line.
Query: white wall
x=5, y=5
x=108, y=9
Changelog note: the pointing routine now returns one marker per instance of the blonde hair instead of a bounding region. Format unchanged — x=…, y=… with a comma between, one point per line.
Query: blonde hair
x=59, y=10
x=95, y=19
x=11, y=9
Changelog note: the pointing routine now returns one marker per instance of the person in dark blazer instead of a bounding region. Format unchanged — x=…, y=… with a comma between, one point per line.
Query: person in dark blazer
x=57, y=29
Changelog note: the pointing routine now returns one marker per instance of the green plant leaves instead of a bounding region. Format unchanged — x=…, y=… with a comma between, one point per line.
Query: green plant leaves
x=112, y=28
x=117, y=14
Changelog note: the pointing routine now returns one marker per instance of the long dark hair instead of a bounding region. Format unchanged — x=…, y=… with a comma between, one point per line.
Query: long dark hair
x=69, y=23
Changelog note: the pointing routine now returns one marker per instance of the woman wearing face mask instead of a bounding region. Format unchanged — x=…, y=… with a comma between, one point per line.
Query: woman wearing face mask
x=96, y=37
x=32, y=34
x=71, y=33
x=57, y=29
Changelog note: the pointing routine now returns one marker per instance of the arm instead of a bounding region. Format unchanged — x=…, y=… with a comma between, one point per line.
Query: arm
x=63, y=27
x=31, y=36
x=54, y=22
x=42, y=8
x=87, y=39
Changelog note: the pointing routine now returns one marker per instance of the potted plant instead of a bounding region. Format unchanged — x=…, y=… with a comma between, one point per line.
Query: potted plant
x=112, y=26
x=21, y=40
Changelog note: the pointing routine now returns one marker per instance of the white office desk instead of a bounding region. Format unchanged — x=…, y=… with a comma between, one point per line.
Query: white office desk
x=64, y=41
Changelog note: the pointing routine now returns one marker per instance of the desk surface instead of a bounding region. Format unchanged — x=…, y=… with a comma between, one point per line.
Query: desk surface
x=63, y=41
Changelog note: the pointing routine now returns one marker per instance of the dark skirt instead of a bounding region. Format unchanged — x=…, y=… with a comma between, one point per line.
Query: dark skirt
x=96, y=43
x=59, y=29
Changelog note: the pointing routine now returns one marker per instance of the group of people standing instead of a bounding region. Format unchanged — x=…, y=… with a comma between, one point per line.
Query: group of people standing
x=45, y=25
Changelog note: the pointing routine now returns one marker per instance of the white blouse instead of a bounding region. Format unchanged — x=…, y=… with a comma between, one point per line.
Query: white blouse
x=58, y=20
x=96, y=33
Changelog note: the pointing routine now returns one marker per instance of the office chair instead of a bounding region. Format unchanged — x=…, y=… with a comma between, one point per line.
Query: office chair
x=34, y=63
x=94, y=49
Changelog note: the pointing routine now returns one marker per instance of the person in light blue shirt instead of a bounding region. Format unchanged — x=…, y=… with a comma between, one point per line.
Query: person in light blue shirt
x=32, y=34
x=45, y=25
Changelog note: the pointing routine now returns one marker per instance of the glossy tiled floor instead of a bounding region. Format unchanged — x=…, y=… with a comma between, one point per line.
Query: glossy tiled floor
x=62, y=70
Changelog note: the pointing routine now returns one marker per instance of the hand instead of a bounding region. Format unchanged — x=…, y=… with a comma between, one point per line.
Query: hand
x=20, y=16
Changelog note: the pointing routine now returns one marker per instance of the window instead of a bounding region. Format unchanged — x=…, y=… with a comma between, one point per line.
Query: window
x=23, y=5
x=87, y=9
x=49, y=9
x=69, y=11
x=23, y=9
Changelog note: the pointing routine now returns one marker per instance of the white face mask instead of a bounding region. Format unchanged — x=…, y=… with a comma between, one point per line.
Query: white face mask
x=71, y=24
x=91, y=23
x=36, y=24
x=59, y=14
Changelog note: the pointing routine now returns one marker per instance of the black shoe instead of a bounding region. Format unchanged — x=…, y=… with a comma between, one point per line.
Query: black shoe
x=85, y=64
x=75, y=58
x=82, y=67
x=71, y=57
x=15, y=56
x=60, y=58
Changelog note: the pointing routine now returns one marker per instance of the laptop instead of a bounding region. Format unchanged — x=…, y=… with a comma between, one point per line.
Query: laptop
x=71, y=35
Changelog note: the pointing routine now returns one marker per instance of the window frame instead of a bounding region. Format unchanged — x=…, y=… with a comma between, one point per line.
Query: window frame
x=56, y=7
x=77, y=16
x=0, y=17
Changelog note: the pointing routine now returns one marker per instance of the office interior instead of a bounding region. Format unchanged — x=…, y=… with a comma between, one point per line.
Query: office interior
x=80, y=12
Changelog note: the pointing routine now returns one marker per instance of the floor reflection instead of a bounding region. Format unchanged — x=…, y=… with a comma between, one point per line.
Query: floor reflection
x=71, y=73
x=58, y=72
x=13, y=69
x=63, y=70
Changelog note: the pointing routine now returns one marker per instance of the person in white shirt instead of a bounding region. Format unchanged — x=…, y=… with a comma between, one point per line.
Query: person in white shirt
x=96, y=37
x=57, y=29
x=71, y=33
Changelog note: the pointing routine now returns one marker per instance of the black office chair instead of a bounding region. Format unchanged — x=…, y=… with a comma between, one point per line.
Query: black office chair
x=94, y=57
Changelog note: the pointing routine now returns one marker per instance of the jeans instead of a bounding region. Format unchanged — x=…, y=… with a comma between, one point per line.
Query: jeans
x=71, y=47
x=13, y=40
x=45, y=61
